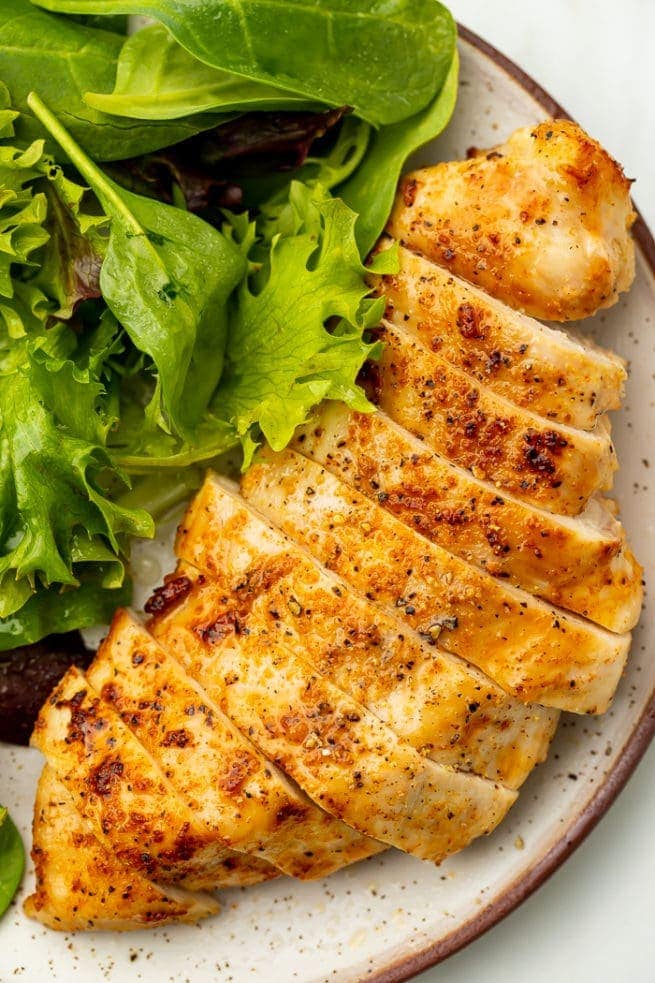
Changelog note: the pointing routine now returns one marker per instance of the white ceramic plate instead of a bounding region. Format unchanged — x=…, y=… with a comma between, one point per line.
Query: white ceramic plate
x=389, y=917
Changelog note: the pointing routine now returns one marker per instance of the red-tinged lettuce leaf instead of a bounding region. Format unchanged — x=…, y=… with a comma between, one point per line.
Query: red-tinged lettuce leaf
x=231, y=166
x=51, y=248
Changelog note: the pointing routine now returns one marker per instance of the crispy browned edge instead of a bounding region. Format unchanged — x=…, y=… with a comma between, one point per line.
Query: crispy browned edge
x=405, y=967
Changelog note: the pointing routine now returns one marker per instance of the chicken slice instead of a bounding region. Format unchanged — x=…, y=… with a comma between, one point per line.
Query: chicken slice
x=541, y=222
x=222, y=777
x=535, y=651
x=82, y=886
x=278, y=593
x=549, y=464
x=547, y=371
x=130, y=805
x=344, y=757
x=581, y=564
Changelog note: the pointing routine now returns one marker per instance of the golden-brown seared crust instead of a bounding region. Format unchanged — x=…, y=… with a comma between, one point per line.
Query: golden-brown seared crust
x=130, y=805
x=581, y=564
x=277, y=593
x=343, y=756
x=553, y=466
x=541, y=222
x=535, y=366
x=82, y=886
x=227, y=783
x=535, y=651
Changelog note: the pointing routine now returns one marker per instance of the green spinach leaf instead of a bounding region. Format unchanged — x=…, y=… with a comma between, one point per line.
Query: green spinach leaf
x=386, y=60
x=69, y=59
x=371, y=189
x=158, y=79
x=12, y=860
x=166, y=276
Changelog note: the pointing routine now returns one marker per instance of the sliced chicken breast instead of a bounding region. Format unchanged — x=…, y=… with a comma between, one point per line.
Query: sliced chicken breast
x=549, y=464
x=535, y=651
x=130, y=805
x=581, y=564
x=343, y=756
x=278, y=593
x=547, y=371
x=226, y=782
x=82, y=886
x=541, y=222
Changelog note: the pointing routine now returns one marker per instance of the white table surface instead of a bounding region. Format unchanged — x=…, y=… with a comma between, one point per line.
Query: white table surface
x=593, y=922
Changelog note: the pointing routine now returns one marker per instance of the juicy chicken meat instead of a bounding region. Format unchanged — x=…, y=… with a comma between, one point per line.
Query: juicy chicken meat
x=546, y=463
x=82, y=886
x=535, y=651
x=536, y=367
x=582, y=564
x=541, y=222
x=249, y=803
x=280, y=595
x=345, y=758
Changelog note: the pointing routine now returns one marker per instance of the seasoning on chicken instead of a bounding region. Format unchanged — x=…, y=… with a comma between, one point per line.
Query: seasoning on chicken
x=127, y=800
x=278, y=594
x=549, y=464
x=542, y=222
x=537, y=652
x=582, y=564
x=548, y=371
x=343, y=756
x=82, y=886
x=229, y=785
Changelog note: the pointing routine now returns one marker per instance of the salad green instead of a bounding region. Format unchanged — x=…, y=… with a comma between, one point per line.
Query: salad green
x=386, y=60
x=157, y=79
x=12, y=860
x=138, y=340
x=371, y=189
x=64, y=59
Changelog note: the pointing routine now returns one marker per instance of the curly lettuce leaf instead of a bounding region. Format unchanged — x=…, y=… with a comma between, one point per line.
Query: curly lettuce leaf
x=54, y=467
x=51, y=248
x=297, y=328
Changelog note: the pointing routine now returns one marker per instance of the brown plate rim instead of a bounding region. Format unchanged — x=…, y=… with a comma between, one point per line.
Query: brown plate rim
x=634, y=748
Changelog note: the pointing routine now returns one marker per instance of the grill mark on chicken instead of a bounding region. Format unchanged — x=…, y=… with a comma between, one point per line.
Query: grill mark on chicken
x=171, y=592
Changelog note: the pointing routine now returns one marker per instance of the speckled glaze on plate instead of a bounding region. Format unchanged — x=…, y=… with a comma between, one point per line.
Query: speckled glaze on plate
x=389, y=917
